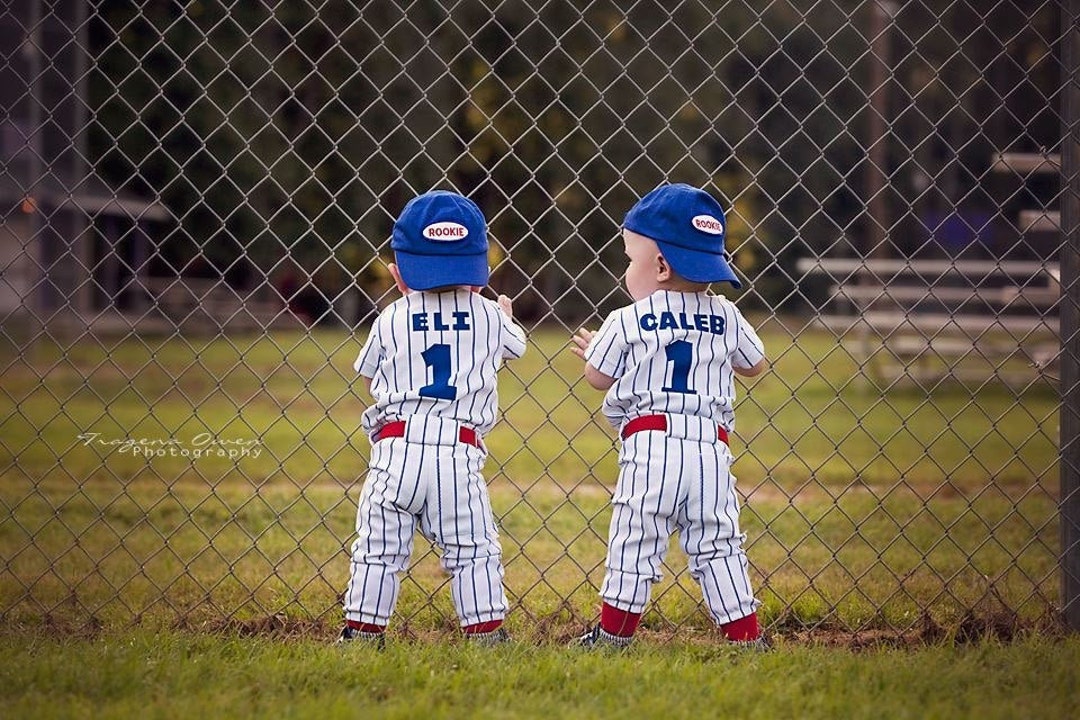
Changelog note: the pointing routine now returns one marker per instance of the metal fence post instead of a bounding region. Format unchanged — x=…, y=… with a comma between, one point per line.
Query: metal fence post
x=1070, y=316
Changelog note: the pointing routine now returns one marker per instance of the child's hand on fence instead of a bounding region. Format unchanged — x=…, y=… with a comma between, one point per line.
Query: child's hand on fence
x=594, y=377
x=581, y=341
x=507, y=306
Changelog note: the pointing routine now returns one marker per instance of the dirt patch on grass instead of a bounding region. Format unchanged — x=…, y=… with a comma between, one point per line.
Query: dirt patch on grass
x=971, y=628
x=60, y=626
x=563, y=628
x=278, y=626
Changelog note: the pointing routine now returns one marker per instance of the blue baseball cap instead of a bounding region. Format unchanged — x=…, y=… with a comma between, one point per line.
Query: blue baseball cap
x=440, y=239
x=688, y=225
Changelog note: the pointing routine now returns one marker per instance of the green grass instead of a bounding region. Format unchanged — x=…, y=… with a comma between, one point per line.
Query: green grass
x=152, y=675
x=862, y=508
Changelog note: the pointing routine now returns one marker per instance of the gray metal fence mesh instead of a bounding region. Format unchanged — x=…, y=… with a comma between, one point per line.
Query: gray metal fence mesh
x=197, y=199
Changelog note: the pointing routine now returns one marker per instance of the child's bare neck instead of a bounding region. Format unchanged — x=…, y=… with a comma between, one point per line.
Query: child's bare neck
x=683, y=285
x=446, y=288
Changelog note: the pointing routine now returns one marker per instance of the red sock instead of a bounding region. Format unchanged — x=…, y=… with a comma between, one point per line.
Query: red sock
x=618, y=622
x=743, y=629
x=481, y=628
x=365, y=627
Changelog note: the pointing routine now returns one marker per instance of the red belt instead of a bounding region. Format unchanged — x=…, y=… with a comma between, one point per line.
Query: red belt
x=659, y=422
x=397, y=429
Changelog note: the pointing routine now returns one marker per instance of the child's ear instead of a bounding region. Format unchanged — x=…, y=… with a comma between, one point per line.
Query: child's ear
x=663, y=269
x=396, y=274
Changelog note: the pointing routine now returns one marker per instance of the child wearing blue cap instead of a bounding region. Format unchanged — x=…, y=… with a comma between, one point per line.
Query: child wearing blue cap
x=430, y=364
x=668, y=363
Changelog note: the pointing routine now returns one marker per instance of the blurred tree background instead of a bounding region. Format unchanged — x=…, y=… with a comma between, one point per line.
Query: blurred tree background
x=284, y=138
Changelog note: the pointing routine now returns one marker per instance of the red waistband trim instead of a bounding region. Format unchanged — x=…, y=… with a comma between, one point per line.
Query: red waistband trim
x=397, y=429
x=659, y=422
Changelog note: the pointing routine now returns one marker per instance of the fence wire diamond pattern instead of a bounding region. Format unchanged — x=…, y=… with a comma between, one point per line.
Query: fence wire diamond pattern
x=197, y=204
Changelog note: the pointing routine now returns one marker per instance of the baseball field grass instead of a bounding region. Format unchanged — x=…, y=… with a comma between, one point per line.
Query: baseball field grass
x=176, y=515
x=184, y=675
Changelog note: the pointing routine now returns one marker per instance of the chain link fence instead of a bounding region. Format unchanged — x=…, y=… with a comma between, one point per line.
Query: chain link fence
x=197, y=202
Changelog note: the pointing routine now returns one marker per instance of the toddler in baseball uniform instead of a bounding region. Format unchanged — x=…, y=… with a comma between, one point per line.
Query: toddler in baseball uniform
x=668, y=363
x=430, y=364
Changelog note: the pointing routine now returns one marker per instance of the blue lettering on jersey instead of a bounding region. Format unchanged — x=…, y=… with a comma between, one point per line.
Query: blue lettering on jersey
x=668, y=320
x=434, y=321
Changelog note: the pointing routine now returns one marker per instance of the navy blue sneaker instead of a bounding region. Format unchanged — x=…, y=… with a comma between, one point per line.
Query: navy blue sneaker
x=498, y=636
x=759, y=645
x=598, y=637
x=349, y=634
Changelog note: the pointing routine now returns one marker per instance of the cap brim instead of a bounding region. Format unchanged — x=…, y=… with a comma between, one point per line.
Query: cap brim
x=424, y=272
x=697, y=266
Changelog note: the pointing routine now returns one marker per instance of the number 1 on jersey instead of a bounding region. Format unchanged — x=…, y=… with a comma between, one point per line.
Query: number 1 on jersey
x=437, y=357
x=680, y=354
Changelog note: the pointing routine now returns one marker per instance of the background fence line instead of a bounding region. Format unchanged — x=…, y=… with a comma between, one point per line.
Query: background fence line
x=1070, y=321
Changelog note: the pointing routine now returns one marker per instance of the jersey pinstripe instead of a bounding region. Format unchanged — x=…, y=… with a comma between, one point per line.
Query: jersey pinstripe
x=673, y=352
x=432, y=358
x=436, y=487
x=679, y=479
x=438, y=354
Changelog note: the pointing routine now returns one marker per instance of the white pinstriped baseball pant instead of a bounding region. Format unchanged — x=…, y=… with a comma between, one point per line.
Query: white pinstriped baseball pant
x=677, y=479
x=427, y=479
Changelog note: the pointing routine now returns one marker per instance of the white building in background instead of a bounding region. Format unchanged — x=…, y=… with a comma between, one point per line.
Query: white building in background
x=76, y=254
x=71, y=249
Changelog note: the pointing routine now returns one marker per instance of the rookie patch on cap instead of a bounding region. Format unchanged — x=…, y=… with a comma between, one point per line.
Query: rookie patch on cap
x=445, y=231
x=708, y=224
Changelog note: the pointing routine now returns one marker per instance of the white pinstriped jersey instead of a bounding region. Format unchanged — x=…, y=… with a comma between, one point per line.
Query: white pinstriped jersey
x=438, y=354
x=673, y=352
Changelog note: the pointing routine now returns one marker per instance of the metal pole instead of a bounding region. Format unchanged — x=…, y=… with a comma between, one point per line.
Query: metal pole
x=877, y=156
x=82, y=237
x=40, y=296
x=1070, y=315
